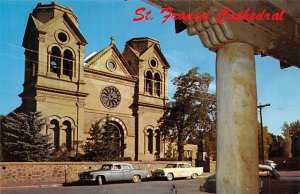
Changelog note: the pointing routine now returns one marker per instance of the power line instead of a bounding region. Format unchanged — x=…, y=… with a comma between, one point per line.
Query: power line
x=45, y=63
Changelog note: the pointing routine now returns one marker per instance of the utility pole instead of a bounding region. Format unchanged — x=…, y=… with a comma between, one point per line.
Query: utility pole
x=262, y=131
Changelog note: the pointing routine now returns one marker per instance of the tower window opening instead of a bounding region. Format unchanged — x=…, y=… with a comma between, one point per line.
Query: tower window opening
x=68, y=63
x=149, y=82
x=55, y=60
x=157, y=84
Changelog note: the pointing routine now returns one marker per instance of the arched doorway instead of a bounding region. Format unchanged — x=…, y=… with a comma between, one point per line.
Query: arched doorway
x=118, y=136
x=119, y=132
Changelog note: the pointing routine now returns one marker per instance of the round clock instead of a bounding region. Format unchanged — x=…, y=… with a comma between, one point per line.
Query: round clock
x=110, y=97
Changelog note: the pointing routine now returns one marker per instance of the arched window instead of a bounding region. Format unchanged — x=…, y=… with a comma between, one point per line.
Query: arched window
x=55, y=127
x=68, y=129
x=68, y=63
x=150, y=141
x=149, y=79
x=55, y=60
x=157, y=84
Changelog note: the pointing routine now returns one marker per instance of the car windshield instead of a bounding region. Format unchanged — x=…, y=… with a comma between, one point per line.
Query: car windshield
x=171, y=166
x=106, y=167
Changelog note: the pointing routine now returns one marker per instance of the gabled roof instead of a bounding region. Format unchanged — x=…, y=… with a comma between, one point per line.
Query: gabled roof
x=89, y=62
x=161, y=55
x=32, y=25
x=76, y=29
x=156, y=48
x=35, y=24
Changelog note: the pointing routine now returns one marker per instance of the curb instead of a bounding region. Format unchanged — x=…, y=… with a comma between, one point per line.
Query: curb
x=30, y=186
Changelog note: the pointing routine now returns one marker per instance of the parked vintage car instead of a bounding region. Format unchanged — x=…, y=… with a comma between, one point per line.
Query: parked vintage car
x=270, y=182
x=114, y=172
x=177, y=170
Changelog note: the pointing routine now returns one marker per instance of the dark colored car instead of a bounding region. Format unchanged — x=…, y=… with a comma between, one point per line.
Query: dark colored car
x=270, y=182
x=114, y=172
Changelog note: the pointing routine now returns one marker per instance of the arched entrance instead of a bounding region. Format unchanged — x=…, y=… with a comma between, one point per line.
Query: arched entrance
x=119, y=132
x=118, y=136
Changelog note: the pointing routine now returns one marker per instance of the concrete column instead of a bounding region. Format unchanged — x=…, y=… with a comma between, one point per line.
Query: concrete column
x=237, y=133
x=154, y=143
x=61, y=64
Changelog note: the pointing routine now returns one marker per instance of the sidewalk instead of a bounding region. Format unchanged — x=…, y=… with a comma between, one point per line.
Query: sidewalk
x=34, y=185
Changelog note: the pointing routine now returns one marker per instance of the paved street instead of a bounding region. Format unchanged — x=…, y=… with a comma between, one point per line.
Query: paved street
x=185, y=186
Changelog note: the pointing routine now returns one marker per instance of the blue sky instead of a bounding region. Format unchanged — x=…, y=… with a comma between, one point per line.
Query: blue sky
x=98, y=20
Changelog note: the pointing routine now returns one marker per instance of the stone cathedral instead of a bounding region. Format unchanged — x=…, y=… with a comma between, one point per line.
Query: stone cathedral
x=73, y=91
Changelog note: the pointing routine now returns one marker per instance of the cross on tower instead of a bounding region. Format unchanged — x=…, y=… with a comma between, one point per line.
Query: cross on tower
x=112, y=40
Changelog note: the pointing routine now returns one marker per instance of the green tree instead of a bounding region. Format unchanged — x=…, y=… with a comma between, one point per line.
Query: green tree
x=22, y=139
x=276, y=146
x=188, y=114
x=294, y=131
x=102, y=145
x=287, y=145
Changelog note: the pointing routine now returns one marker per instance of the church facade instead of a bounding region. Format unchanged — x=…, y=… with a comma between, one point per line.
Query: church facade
x=73, y=92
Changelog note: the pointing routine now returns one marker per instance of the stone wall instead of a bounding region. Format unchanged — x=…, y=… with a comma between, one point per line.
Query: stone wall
x=26, y=173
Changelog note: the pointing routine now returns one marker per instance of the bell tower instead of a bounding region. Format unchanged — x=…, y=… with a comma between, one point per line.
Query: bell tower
x=54, y=84
x=146, y=59
x=54, y=53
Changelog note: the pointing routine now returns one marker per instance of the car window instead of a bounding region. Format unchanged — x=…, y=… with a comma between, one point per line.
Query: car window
x=117, y=167
x=187, y=166
x=171, y=166
x=106, y=167
x=181, y=166
x=126, y=167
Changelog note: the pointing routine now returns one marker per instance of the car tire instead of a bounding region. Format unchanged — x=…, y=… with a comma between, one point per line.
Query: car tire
x=99, y=180
x=194, y=175
x=136, y=179
x=170, y=176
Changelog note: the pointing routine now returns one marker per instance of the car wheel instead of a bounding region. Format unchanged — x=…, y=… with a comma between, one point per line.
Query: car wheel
x=170, y=176
x=99, y=180
x=194, y=175
x=136, y=179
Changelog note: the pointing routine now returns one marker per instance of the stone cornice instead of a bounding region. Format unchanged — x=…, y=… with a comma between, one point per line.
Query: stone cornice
x=60, y=91
x=95, y=72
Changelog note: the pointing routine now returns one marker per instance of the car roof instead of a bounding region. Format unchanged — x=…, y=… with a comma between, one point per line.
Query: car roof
x=269, y=160
x=179, y=163
x=115, y=163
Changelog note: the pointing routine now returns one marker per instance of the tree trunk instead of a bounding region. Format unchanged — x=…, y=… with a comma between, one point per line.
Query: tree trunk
x=180, y=146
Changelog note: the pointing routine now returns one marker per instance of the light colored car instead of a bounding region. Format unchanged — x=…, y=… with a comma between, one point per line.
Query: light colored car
x=270, y=163
x=114, y=172
x=177, y=170
x=270, y=182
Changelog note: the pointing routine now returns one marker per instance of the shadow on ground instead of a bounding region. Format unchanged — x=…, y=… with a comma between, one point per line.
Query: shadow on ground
x=81, y=183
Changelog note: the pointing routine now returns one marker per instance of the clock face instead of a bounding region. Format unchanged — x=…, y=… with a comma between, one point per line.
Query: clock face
x=110, y=97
